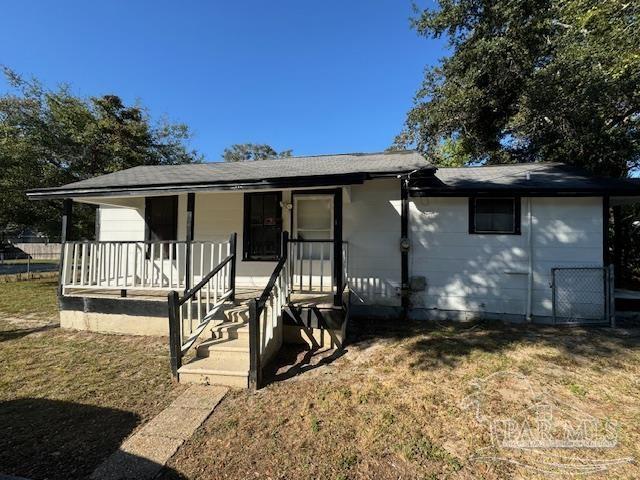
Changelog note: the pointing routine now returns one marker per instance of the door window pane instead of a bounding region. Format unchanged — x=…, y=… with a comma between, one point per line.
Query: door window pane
x=314, y=214
x=314, y=221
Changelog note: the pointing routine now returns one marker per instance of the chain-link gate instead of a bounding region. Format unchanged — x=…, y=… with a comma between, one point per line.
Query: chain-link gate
x=580, y=295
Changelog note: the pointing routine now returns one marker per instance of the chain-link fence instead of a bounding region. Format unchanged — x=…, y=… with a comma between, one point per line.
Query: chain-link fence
x=24, y=266
x=580, y=294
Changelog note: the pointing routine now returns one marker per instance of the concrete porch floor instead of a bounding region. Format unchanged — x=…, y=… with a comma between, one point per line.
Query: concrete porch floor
x=243, y=295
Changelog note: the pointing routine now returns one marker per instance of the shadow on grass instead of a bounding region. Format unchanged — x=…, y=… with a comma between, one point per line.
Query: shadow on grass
x=294, y=360
x=6, y=335
x=53, y=439
x=446, y=344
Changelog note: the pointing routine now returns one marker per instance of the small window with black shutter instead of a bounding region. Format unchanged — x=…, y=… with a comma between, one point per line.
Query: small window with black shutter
x=262, y=226
x=494, y=215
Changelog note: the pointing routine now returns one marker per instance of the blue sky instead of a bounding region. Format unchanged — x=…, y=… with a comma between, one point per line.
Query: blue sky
x=321, y=77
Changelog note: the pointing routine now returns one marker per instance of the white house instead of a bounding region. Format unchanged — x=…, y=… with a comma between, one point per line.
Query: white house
x=256, y=253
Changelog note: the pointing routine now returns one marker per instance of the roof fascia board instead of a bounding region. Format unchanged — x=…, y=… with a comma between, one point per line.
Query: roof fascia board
x=146, y=190
x=328, y=180
x=510, y=192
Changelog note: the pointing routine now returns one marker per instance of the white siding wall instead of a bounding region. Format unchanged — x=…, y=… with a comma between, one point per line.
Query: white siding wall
x=217, y=215
x=371, y=218
x=487, y=273
x=473, y=273
x=122, y=223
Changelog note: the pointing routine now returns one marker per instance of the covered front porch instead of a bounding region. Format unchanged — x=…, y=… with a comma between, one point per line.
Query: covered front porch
x=155, y=244
x=227, y=298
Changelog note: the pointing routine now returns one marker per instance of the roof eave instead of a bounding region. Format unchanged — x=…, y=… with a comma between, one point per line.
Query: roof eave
x=161, y=189
x=521, y=191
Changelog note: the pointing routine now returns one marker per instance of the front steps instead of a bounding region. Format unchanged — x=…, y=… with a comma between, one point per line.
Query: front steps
x=223, y=359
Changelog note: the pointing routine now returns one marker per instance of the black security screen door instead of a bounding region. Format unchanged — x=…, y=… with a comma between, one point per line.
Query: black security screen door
x=262, y=226
x=161, y=215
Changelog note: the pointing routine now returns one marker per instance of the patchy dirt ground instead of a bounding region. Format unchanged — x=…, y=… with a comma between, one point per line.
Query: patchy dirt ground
x=435, y=401
x=68, y=399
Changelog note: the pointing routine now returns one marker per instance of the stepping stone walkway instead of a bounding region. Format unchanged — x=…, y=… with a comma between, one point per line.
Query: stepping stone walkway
x=144, y=454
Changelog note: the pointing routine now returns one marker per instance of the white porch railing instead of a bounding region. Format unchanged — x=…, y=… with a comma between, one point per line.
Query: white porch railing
x=312, y=266
x=265, y=317
x=133, y=265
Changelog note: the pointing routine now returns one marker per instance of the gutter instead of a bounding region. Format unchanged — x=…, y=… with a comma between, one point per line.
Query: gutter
x=511, y=192
x=530, y=257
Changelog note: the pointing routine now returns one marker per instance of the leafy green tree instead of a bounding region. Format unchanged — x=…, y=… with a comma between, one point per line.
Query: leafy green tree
x=531, y=80
x=245, y=152
x=52, y=137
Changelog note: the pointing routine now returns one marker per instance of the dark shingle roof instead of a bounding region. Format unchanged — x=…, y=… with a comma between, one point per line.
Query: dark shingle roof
x=356, y=164
x=344, y=169
x=542, y=177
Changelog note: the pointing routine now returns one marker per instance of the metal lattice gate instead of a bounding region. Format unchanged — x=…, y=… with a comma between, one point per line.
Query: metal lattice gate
x=580, y=295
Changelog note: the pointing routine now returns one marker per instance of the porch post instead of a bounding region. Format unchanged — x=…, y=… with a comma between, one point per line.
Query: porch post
x=337, y=247
x=255, y=369
x=65, y=234
x=191, y=204
x=233, y=240
x=175, y=354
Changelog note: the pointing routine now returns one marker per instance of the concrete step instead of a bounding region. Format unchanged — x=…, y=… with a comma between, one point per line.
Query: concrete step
x=223, y=359
x=230, y=330
x=238, y=313
x=229, y=371
x=232, y=345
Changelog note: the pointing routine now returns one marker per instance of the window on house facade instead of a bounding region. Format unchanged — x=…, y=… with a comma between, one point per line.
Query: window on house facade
x=262, y=226
x=494, y=215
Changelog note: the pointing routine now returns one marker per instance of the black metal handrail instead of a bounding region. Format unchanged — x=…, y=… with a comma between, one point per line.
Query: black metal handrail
x=262, y=299
x=146, y=242
x=175, y=304
x=192, y=292
x=256, y=307
x=312, y=240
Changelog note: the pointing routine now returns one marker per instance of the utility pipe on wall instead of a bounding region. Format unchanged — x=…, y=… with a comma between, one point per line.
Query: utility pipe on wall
x=530, y=257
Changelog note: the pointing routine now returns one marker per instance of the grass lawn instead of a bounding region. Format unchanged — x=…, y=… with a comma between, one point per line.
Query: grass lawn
x=402, y=404
x=33, y=298
x=68, y=399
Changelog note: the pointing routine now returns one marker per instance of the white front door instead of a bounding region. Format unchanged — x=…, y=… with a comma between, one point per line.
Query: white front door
x=313, y=217
x=313, y=253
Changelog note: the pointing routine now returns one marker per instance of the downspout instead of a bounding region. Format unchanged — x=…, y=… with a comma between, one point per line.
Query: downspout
x=404, y=245
x=530, y=257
